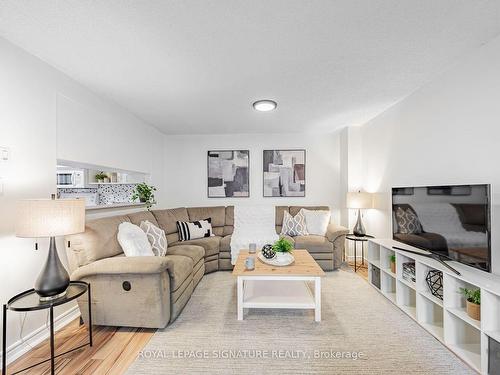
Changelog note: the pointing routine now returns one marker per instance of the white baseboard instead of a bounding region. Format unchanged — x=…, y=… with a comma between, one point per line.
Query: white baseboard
x=34, y=338
x=359, y=258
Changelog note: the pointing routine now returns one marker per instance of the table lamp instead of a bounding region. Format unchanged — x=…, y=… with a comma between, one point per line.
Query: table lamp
x=359, y=200
x=38, y=218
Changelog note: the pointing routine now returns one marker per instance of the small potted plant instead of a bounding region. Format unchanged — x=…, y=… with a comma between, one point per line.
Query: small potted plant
x=392, y=259
x=100, y=176
x=473, y=298
x=145, y=194
x=282, y=247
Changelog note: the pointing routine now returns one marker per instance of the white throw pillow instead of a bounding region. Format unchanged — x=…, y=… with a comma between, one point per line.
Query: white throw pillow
x=317, y=221
x=133, y=240
x=294, y=225
x=156, y=237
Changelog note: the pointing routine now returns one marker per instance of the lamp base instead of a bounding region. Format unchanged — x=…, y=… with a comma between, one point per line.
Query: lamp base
x=53, y=279
x=359, y=229
x=52, y=298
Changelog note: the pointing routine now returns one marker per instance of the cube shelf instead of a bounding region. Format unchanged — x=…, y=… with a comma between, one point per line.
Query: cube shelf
x=430, y=316
x=388, y=286
x=463, y=339
x=406, y=299
x=454, y=301
x=374, y=254
x=385, y=262
x=446, y=319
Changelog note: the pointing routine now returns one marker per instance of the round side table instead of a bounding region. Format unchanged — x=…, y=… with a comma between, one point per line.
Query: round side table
x=30, y=301
x=362, y=240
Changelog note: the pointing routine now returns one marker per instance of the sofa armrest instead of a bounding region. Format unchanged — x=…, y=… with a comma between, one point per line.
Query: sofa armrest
x=334, y=231
x=124, y=265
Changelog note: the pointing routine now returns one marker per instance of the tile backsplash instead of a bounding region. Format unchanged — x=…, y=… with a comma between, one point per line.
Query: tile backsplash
x=106, y=194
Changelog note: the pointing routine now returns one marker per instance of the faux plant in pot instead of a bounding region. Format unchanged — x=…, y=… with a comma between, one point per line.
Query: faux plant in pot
x=145, y=194
x=100, y=176
x=473, y=298
x=283, y=247
x=392, y=259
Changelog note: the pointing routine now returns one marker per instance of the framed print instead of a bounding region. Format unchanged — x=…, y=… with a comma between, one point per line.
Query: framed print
x=284, y=173
x=228, y=173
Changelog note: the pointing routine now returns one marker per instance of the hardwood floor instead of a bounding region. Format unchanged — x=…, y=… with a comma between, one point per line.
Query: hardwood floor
x=362, y=270
x=113, y=351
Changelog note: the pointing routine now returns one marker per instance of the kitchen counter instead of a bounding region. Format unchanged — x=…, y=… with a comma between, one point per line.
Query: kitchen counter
x=116, y=205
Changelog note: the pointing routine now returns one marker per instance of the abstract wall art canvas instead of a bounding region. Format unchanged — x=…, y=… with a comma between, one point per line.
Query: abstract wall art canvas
x=228, y=173
x=284, y=173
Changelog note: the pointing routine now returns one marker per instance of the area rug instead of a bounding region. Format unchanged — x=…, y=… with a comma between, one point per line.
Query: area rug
x=361, y=332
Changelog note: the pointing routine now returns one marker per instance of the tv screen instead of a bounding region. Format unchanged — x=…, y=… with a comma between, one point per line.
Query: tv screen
x=453, y=221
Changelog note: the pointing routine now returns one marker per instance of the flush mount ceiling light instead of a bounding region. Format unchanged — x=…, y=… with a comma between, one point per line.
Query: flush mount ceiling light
x=264, y=105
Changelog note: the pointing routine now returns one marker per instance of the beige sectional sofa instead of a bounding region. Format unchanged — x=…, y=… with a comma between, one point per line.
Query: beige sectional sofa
x=152, y=291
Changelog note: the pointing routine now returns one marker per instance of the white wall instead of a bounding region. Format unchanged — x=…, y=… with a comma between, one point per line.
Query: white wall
x=44, y=116
x=186, y=166
x=352, y=178
x=447, y=132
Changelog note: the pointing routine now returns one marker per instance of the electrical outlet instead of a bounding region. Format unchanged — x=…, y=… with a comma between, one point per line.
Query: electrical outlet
x=4, y=154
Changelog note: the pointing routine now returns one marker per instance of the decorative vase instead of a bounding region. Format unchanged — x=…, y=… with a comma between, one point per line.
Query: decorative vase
x=474, y=310
x=280, y=256
x=142, y=200
x=359, y=229
x=393, y=267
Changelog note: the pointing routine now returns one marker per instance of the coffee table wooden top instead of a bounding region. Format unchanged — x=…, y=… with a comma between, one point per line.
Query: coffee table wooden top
x=304, y=265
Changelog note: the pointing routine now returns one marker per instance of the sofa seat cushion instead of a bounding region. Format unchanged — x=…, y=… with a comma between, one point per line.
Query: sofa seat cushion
x=180, y=269
x=192, y=251
x=313, y=244
x=210, y=244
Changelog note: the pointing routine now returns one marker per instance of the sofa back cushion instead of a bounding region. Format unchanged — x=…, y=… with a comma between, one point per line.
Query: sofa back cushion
x=168, y=218
x=99, y=241
x=293, y=210
x=216, y=214
x=138, y=217
x=229, y=222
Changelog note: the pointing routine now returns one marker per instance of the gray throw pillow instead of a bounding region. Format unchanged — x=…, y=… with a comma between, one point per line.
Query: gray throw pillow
x=408, y=222
x=294, y=225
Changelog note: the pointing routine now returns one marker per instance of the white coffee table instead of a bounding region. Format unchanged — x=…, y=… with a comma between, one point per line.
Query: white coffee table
x=272, y=287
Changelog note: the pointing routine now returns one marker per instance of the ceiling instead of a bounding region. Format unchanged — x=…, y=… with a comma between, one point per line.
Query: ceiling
x=195, y=67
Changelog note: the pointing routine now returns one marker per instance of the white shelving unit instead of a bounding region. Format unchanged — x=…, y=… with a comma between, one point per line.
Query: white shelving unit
x=446, y=319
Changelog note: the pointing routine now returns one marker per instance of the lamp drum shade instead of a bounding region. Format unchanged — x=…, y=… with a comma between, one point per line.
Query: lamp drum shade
x=50, y=217
x=359, y=200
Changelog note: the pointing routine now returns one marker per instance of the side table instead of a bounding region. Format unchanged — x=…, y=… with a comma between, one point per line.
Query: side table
x=29, y=301
x=356, y=239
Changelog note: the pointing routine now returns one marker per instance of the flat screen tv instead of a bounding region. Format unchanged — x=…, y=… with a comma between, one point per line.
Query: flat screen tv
x=451, y=221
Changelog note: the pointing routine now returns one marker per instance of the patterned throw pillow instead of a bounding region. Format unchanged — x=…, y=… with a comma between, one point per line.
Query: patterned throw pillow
x=408, y=222
x=194, y=230
x=294, y=225
x=156, y=238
